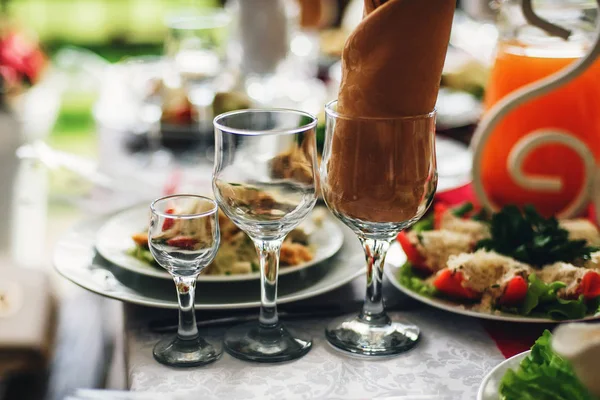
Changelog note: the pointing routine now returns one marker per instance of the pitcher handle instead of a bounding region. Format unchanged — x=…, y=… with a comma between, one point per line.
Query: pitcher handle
x=527, y=93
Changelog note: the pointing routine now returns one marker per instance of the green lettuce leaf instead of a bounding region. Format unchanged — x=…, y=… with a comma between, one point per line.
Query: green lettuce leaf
x=543, y=375
x=143, y=255
x=424, y=224
x=542, y=301
x=409, y=279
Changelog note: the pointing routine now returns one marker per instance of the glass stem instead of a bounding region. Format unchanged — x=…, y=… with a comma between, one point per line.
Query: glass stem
x=268, y=251
x=186, y=287
x=373, y=310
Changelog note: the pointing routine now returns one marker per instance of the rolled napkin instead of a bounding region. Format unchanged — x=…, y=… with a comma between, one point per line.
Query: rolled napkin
x=392, y=63
x=310, y=13
x=26, y=320
x=391, y=67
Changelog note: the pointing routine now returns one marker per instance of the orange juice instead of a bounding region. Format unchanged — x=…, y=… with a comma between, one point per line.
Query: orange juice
x=573, y=108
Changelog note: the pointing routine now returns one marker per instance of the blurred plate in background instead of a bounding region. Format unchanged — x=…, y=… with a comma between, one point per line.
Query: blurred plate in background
x=454, y=162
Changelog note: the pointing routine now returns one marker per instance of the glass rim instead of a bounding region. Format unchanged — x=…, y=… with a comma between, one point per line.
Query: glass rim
x=333, y=113
x=291, y=131
x=213, y=210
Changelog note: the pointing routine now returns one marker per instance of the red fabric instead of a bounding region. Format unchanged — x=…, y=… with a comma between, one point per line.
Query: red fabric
x=172, y=185
x=513, y=338
x=510, y=338
x=458, y=195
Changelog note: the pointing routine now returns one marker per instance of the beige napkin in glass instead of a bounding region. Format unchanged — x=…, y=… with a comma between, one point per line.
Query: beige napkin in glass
x=391, y=67
x=26, y=320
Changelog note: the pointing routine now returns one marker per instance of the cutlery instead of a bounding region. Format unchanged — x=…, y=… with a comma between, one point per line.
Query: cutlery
x=170, y=324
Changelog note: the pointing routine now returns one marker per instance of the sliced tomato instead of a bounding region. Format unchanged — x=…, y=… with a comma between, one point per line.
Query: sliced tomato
x=515, y=292
x=451, y=284
x=590, y=285
x=168, y=224
x=412, y=253
x=184, y=114
x=439, y=209
x=183, y=242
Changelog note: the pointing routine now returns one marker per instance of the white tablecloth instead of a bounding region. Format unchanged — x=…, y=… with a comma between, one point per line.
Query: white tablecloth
x=450, y=361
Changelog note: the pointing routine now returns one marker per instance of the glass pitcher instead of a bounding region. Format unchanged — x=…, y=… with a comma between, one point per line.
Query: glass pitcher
x=526, y=54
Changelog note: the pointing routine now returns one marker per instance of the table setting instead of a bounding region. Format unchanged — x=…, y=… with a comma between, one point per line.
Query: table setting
x=274, y=234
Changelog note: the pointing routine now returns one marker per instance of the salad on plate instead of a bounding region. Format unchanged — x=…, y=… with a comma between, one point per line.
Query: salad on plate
x=543, y=374
x=513, y=261
x=236, y=254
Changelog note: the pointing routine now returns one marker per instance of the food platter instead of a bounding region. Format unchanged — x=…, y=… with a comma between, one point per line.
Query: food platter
x=490, y=386
x=396, y=259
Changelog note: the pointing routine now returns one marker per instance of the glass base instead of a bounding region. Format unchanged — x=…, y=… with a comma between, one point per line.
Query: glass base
x=251, y=342
x=176, y=352
x=381, y=336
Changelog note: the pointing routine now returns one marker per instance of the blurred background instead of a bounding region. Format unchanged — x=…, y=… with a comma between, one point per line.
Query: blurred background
x=106, y=103
x=133, y=85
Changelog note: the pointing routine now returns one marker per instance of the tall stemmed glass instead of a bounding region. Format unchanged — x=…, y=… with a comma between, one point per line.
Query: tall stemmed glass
x=196, y=44
x=265, y=180
x=184, y=238
x=378, y=176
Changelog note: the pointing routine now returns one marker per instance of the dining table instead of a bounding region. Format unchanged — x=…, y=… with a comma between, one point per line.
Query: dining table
x=450, y=362
x=453, y=356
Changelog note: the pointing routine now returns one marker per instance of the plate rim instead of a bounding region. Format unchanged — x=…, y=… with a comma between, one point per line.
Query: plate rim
x=391, y=271
x=200, y=306
x=143, y=300
x=150, y=271
x=516, y=360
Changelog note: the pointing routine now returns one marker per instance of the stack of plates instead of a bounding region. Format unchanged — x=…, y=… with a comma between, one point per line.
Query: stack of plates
x=94, y=255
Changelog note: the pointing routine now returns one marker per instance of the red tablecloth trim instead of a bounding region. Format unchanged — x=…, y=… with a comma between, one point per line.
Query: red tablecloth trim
x=513, y=338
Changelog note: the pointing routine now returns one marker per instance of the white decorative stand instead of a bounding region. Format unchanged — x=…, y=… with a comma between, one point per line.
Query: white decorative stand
x=540, y=137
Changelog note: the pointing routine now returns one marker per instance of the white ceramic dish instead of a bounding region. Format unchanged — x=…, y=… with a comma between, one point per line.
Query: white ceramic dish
x=76, y=259
x=454, y=162
x=396, y=258
x=490, y=386
x=114, y=241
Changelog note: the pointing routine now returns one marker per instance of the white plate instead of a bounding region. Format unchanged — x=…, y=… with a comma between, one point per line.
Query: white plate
x=490, y=387
x=114, y=241
x=454, y=163
x=396, y=258
x=76, y=259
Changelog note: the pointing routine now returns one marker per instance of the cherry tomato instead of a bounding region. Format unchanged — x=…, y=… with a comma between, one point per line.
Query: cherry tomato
x=590, y=285
x=168, y=224
x=515, y=292
x=451, y=284
x=412, y=253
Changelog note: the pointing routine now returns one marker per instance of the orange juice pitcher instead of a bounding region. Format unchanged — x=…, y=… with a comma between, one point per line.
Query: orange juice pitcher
x=540, y=137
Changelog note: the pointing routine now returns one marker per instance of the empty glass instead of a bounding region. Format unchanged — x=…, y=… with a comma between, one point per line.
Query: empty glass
x=265, y=180
x=196, y=44
x=184, y=238
x=378, y=176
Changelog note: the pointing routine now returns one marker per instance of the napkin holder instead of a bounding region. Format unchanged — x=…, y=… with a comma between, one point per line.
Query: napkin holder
x=540, y=137
x=26, y=321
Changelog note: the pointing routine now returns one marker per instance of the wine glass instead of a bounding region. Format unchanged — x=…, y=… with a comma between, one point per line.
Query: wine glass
x=196, y=45
x=184, y=238
x=265, y=180
x=378, y=176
